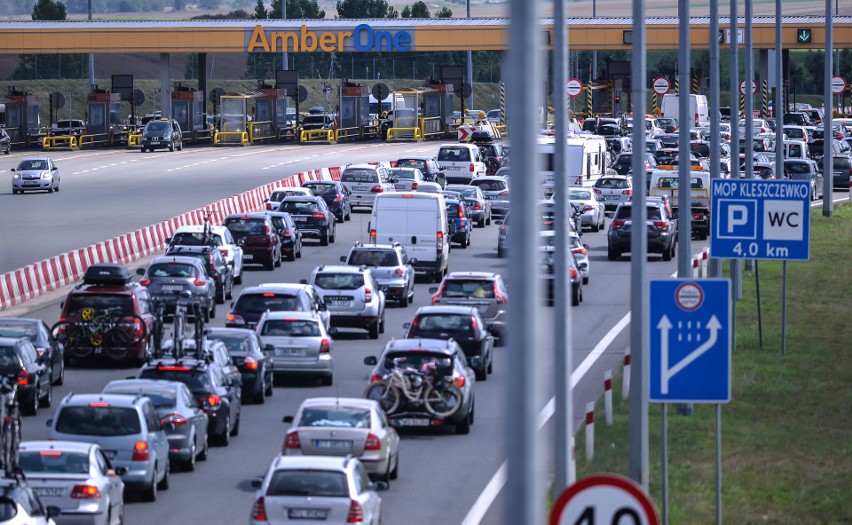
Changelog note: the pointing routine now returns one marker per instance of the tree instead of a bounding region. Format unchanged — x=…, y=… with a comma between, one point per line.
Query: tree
x=418, y=10
x=365, y=9
x=49, y=10
x=298, y=9
x=49, y=66
x=445, y=12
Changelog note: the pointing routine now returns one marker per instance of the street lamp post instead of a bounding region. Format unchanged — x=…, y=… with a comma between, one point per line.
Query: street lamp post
x=469, y=66
x=91, y=58
x=284, y=46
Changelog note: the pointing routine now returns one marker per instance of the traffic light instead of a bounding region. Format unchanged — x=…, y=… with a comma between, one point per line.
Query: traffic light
x=617, y=99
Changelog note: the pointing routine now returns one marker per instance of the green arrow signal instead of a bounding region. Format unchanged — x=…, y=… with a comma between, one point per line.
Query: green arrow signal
x=804, y=36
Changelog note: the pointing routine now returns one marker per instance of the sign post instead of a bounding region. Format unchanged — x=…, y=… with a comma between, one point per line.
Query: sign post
x=604, y=498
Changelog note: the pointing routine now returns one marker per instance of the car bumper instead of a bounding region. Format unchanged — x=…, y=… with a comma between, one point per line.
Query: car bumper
x=394, y=290
x=251, y=382
x=180, y=446
x=257, y=256
x=81, y=517
x=588, y=219
x=499, y=207
x=428, y=266
x=361, y=320
x=374, y=463
x=138, y=474
x=655, y=245
x=362, y=200
x=39, y=184
x=317, y=232
x=324, y=366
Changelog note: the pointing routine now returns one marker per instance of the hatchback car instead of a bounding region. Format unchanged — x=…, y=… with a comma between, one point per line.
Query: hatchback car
x=613, y=189
x=580, y=250
x=335, y=426
x=312, y=217
x=496, y=191
x=480, y=207
x=458, y=213
x=211, y=391
x=390, y=266
x=254, y=363
x=353, y=297
x=662, y=231
x=35, y=174
x=216, y=268
x=547, y=259
x=290, y=235
x=365, y=181
x=46, y=346
x=255, y=233
x=21, y=365
x=298, y=343
x=485, y=291
x=217, y=236
x=129, y=430
x=275, y=297
x=405, y=179
x=162, y=133
x=315, y=489
x=167, y=277
x=593, y=210
x=277, y=196
x=175, y=404
x=806, y=170
x=428, y=166
x=76, y=477
x=335, y=195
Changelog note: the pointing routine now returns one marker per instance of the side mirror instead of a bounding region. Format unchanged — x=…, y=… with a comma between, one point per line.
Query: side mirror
x=406, y=325
x=343, y=258
x=433, y=289
x=53, y=510
x=268, y=348
x=119, y=471
x=14, y=170
x=493, y=329
x=371, y=360
x=168, y=427
x=256, y=483
x=303, y=281
x=586, y=246
x=232, y=304
x=379, y=485
x=168, y=240
x=498, y=221
x=287, y=419
x=49, y=423
x=140, y=271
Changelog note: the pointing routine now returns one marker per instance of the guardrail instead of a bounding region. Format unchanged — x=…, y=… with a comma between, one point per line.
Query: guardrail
x=432, y=126
x=53, y=141
x=91, y=140
x=347, y=133
x=230, y=137
x=317, y=135
x=134, y=139
x=416, y=134
x=503, y=129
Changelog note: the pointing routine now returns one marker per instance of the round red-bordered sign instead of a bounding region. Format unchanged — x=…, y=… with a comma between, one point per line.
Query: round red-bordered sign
x=753, y=87
x=661, y=85
x=604, y=498
x=689, y=296
x=838, y=85
x=574, y=87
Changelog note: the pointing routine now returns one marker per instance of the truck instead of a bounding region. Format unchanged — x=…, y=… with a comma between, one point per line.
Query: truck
x=698, y=109
x=664, y=183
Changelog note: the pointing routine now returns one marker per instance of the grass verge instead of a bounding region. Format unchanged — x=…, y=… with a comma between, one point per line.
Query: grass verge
x=787, y=433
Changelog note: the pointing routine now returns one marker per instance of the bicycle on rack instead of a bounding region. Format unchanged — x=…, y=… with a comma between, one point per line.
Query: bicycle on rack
x=10, y=437
x=437, y=394
x=98, y=332
x=158, y=308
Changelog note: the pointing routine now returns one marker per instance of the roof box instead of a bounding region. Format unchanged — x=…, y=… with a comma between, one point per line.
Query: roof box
x=107, y=274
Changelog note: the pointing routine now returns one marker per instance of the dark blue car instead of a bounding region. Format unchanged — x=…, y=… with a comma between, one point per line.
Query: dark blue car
x=335, y=195
x=458, y=211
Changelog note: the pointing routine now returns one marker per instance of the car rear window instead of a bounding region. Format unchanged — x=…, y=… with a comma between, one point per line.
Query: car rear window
x=580, y=195
x=477, y=288
x=454, y=155
x=443, y=323
x=321, y=189
x=418, y=360
x=9, y=356
x=359, y=175
x=161, y=397
x=13, y=328
x=117, y=304
x=259, y=303
x=194, y=379
x=374, y=258
x=177, y=270
x=246, y=226
x=401, y=173
x=339, y=281
x=411, y=163
x=98, y=421
x=290, y=327
x=236, y=344
x=466, y=191
x=335, y=417
x=309, y=483
x=612, y=183
x=623, y=213
x=299, y=207
x=53, y=462
x=195, y=239
x=490, y=185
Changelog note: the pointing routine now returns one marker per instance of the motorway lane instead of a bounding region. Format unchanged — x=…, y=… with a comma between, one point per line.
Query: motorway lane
x=109, y=192
x=441, y=474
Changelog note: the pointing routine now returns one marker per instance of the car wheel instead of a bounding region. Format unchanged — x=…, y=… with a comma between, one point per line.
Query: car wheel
x=230, y=294
x=236, y=429
x=299, y=253
x=164, y=483
x=213, y=310
x=239, y=278
x=172, y=146
x=61, y=379
x=270, y=386
x=491, y=366
x=278, y=261
x=333, y=234
x=205, y=447
x=667, y=254
x=224, y=439
x=142, y=150
x=189, y=464
x=463, y=427
x=327, y=380
x=220, y=295
x=324, y=239
x=612, y=255
x=180, y=146
x=501, y=253
x=481, y=222
x=585, y=280
x=150, y=493
x=47, y=400
x=596, y=227
x=382, y=324
x=260, y=396
x=394, y=474
x=481, y=375
x=403, y=300
x=575, y=296
x=373, y=330
x=270, y=264
x=32, y=409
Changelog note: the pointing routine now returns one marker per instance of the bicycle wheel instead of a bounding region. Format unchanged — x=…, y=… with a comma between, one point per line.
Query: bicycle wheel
x=11, y=440
x=73, y=338
x=117, y=343
x=444, y=402
x=387, y=396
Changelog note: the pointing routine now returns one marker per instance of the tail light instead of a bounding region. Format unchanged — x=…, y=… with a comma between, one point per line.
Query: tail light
x=579, y=250
x=235, y=319
x=213, y=401
x=338, y=199
x=292, y=440
x=504, y=193
x=627, y=192
x=437, y=296
x=318, y=215
x=23, y=377
x=617, y=224
x=501, y=299
x=258, y=511
x=145, y=281
x=372, y=443
x=138, y=328
x=439, y=242
x=588, y=207
x=377, y=189
x=474, y=324
x=503, y=229
x=199, y=281
x=414, y=185
x=224, y=252
x=472, y=168
x=375, y=378
x=368, y=294
x=573, y=272
x=399, y=272
x=287, y=232
x=373, y=236
x=250, y=363
x=325, y=346
x=696, y=120
x=477, y=206
x=268, y=229
x=459, y=381
x=661, y=224
x=175, y=419
x=268, y=205
x=356, y=513
x=85, y=492
x=140, y=451
x=597, y=191
x=461, y=211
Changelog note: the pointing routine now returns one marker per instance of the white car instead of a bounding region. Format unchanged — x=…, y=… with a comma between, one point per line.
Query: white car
x=461, y=162
x=405, y=179
x=277, y=196
x=19, y=505
x=594, y=215
x=758, y=126
x=219, y=236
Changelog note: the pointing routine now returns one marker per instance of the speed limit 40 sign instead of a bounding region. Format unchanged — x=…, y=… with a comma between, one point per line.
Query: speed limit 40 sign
x=604, y=499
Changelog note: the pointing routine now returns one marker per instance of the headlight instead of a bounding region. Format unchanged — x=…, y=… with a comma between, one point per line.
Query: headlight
x=16, y=176
x=45, y=174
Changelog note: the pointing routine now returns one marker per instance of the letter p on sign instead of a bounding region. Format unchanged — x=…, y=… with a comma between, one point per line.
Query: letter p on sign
x=737, y=216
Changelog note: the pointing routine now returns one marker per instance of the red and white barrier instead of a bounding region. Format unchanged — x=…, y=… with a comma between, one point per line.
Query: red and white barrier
x=701, y=264
x=55, y=272
x=608, y=397
x=625, y=380
x=590, y=431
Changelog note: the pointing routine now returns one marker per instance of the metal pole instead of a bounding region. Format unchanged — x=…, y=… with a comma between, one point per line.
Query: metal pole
x=284, y=59
x=638, y=468
x=749, y=94
x=718, y=464
x=715, y=267
x=779, y=85
x=664, y=457
x=91, y=58
x=685, y=123
x=734, y=44
x=469, y=66
x=828, y=166
x=759, y=313
x=564, y=417
x=594, y=72
x=524, y=491
x=784, y=304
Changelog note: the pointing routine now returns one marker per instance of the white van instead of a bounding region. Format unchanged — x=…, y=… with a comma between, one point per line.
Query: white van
x=418, y=221
x=698, y=109
x=796, y=149
x=461, y=162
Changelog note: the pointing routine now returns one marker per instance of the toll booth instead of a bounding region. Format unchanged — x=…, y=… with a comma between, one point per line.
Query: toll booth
x=405, y=124
x=22, y=118
x=188, y=111
x=103, y=125
x=354, y=112
x=271, y=107
x=238, y=122
x=436, y=115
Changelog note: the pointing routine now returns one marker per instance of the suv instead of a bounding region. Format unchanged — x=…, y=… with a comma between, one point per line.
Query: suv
x=275, y=297
x=336, y=489
x=290, y=235
x=428, y=166
x=299, y=343
x=68, y=127
x=353, y=297
x=465, y=326
x=613, y=189
x=496, y=191
x=215, y=266
x=364, y=182
x=218, y=396
x=109, y=287
x=162, y=133
x=217, y=236
x=129, y=431
x=5, y=142
x=485, y=291
x=461, y=162
x=167, y=277
x=312, y=217
x=255, y=233
x=335, y=195
x=390, y=266
x=661, y=231
x=21, y=364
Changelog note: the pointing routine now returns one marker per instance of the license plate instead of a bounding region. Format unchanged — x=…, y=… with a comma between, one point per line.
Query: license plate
x=248, y=256
x=31, y=183
x=109, y=454
x=410, y=422
x=300, y=219
x=307, y=514
x=547, y=276
x=360, y=188
x=452, y=167
x=50, y=492
x=399, y=186
x=154, y=142
x=289, y=352
x=491, y=197
x=172, y=287
x=613, y=197
x=333, y=444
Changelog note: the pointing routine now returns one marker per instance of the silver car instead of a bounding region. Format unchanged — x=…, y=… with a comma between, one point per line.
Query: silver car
x=353, y=297
x=485, y=291
x=316, y=489
x=365, y=181
x=580, y=250
x=298, y=343
x=496, y=191
x=332, y=426
x=76, y=477
x=405, y=179
x=175, y=404
x=35, y=174
x=169, y=275
x=391, y=268
x=480, y=207
x=594, y=215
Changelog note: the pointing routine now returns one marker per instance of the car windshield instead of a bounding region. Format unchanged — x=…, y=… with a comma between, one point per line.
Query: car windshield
x=476, y=288
x=793, y=168
x=580, y=195
x=359, y=175
x=612, y=183
x=195, y=380
x=246, y=226
x=335, y=417
x=98, y=420
x=299, y=207
x=653, y=213
x=290, y=327
x=32, y=164
x=40, y=462
x=259, y=303
x=442, y=323
x=339, y=281
x=195, y=239
x=313, y=483
x=322, y=189
x=374, y=258
x=117, y=304
x=236, y=344
x=157, y=126
x=175, y=270
x=411, y=163
x=161, y=397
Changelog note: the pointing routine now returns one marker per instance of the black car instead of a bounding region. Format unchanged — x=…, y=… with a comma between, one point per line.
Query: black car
x=291, y=237
x=312, y=217
x=465, y=326
x=21, y=365
x=47, y=347
x=335, y=195
x=162, y=133
x=5, y=142
x=661, y=231
x=217, y=268
x=219, y=397
x=428, y=166
x=254, y=363
x=547, y=255
x=256, y=234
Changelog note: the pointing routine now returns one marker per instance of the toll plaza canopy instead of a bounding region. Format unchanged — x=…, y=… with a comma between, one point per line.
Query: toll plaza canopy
x=401, y=35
